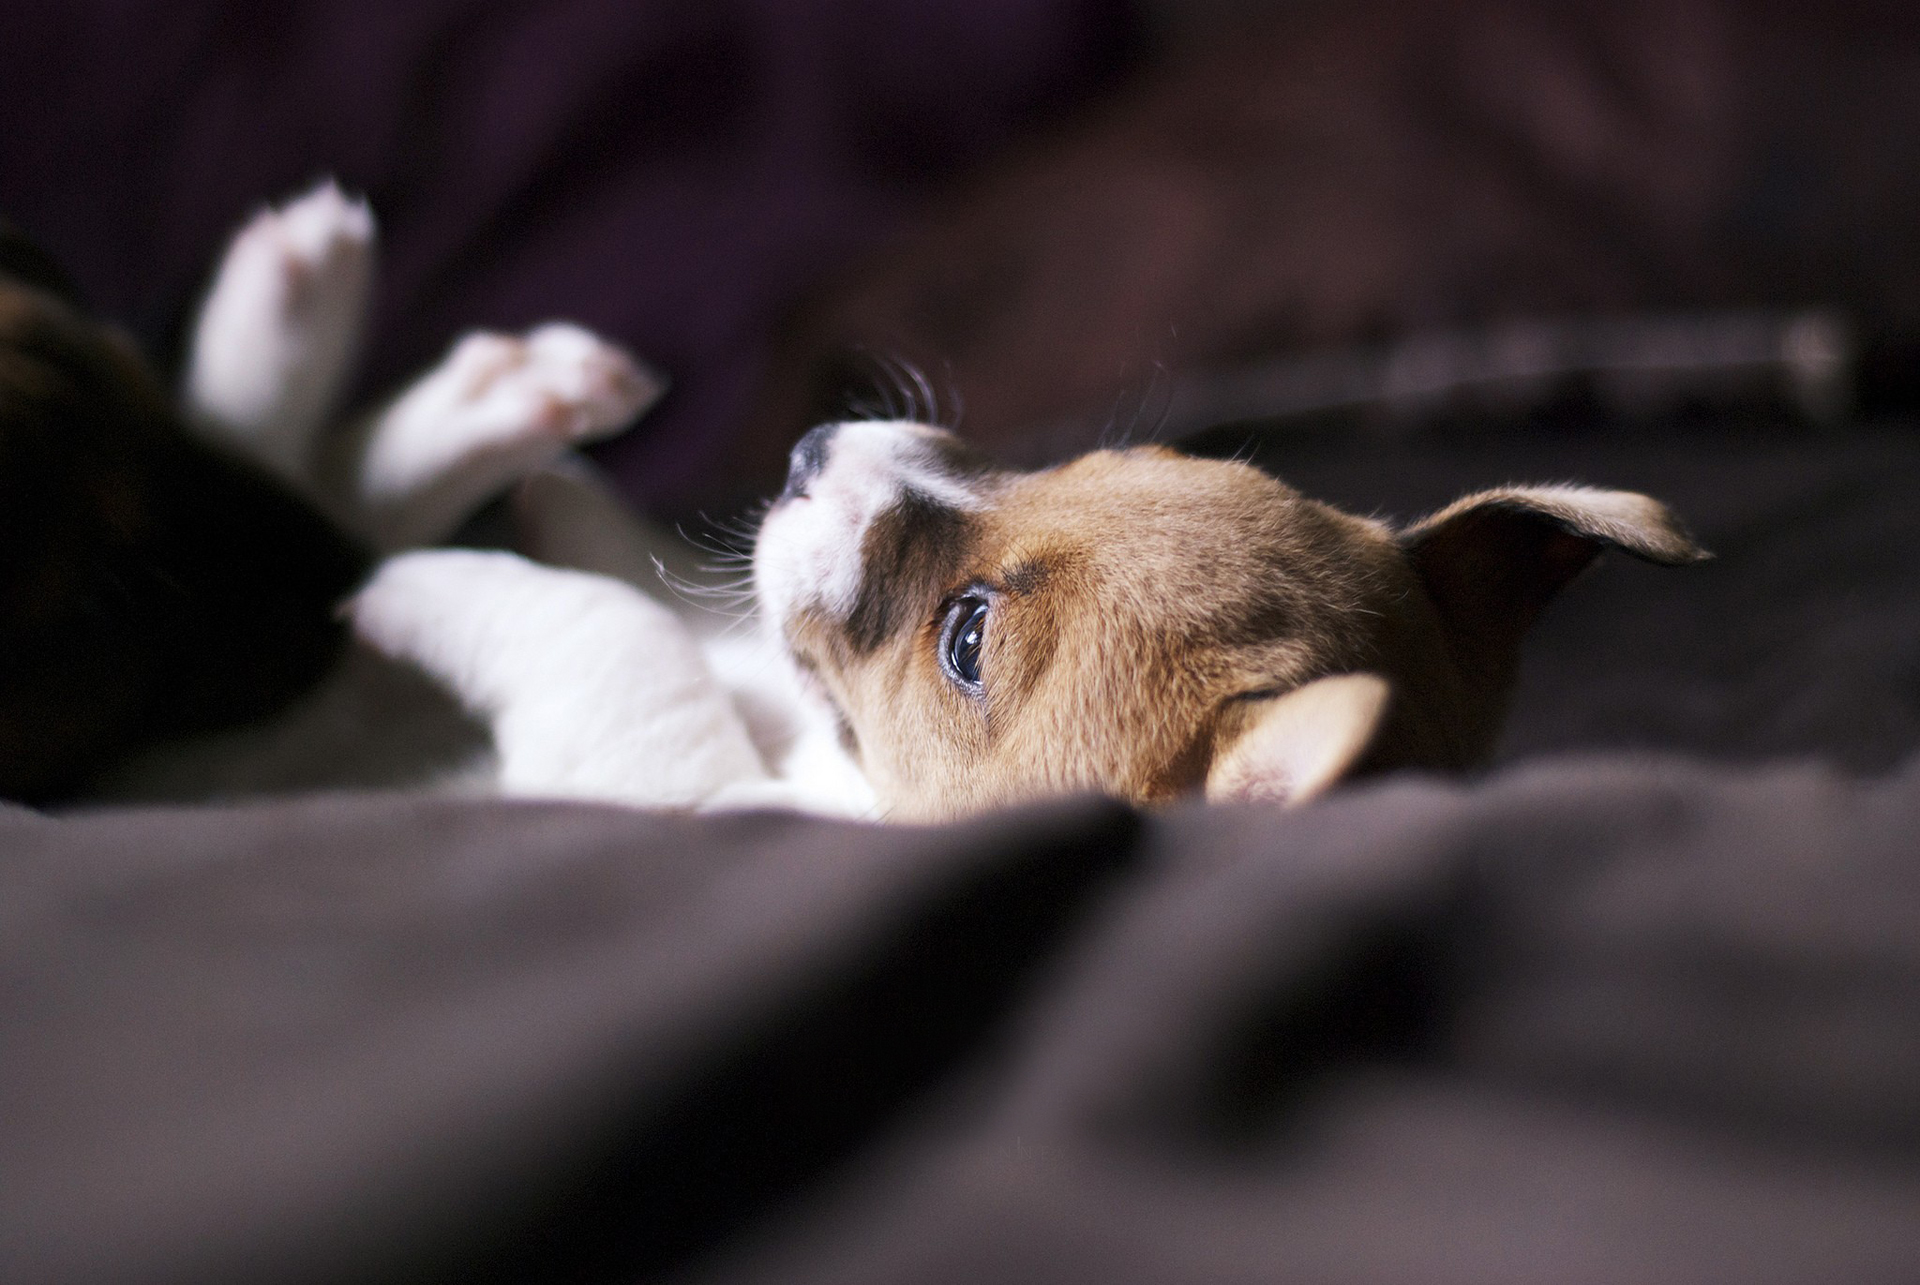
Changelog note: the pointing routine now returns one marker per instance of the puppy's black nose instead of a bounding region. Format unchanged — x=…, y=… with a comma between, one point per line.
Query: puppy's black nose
x=808, y=458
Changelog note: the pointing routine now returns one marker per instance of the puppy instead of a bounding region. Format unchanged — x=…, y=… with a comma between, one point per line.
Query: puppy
x=938, y=635
x=951, y=636
x=1150, y=626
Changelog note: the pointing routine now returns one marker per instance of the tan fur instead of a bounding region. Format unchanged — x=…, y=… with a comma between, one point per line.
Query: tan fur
x=1302, y=742
x=1147, y=609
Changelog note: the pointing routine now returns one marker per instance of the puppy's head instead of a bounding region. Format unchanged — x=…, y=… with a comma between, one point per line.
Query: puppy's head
x=1147, y=625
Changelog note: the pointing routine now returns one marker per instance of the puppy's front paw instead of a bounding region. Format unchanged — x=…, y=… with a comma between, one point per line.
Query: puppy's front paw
x=558, y=382
x=310, y=259
x=499, y=407
x=273, y=342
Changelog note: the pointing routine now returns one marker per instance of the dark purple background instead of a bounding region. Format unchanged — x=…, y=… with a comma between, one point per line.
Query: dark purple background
x=675, y=175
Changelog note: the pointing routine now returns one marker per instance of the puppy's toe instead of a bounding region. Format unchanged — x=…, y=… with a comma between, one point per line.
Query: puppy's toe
x=479, y=361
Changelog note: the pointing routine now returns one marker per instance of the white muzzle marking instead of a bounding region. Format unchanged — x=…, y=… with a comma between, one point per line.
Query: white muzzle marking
x=808, y=554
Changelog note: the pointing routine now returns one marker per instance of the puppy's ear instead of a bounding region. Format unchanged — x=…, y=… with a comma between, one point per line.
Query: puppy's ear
x=1491, y=561
x=1300, y=742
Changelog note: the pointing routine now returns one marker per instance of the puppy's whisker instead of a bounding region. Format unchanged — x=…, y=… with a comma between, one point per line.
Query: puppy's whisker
x=1159, y=393
x=737, y=545
x=746, y=526
x=735, y=588
x=695, y=595
x=740, y=554
x=1109, y=439
x=927, y=408
x=740, y=546
x=900, y=390
x=733, y=593
x=743, y=622
x=899, y=396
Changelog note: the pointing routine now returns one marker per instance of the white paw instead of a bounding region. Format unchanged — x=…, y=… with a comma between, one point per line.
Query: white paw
x=274, y=339
x=312, y=255
x=558, y=382
x=498, y=408
x=305, y=264
x=504, y=395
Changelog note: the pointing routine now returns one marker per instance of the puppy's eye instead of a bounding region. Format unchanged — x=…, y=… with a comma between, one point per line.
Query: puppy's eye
x=966, y=630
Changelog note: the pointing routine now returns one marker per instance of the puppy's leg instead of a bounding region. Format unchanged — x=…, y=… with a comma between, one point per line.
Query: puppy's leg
x=497, y=408
x=593, y=691
x=277, y=334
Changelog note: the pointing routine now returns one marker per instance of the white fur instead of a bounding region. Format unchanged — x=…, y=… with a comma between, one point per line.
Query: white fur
x=592, y=690
x=809, y=553
x=276, y=337
x=565, y=515
x=587, y=687
x=498, y=407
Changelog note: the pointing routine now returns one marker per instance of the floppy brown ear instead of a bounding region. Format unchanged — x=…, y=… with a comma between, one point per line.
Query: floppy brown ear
x=1300, y=742
x=1492, y=560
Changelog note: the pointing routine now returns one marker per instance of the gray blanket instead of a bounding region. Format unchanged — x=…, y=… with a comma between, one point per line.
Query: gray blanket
x=1594, y=1020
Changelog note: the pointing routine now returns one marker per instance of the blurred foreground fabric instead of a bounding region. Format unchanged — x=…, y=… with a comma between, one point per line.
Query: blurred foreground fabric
x=1589, y=1021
